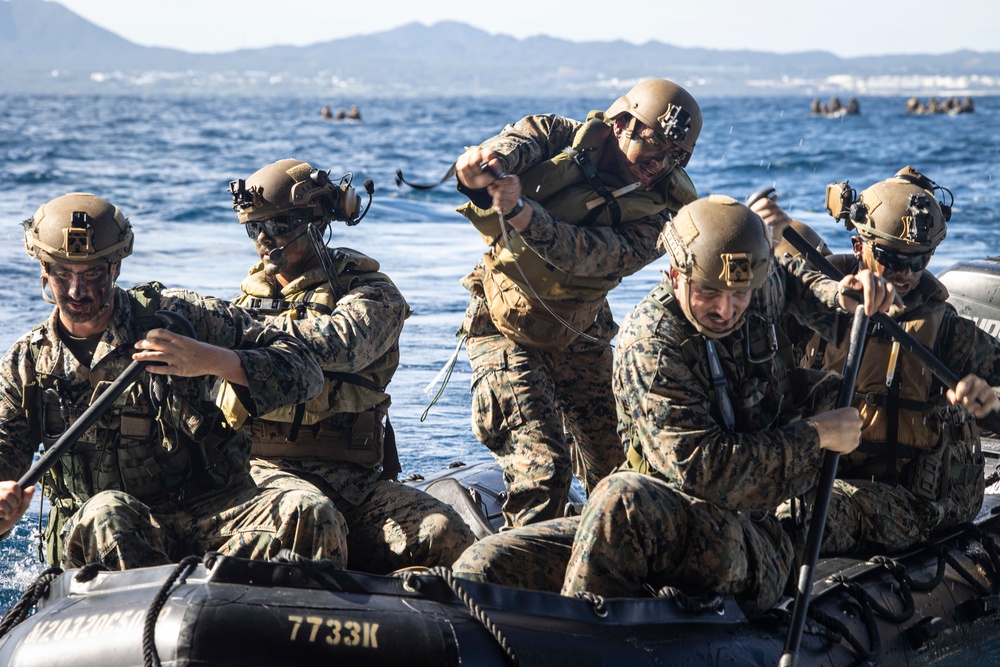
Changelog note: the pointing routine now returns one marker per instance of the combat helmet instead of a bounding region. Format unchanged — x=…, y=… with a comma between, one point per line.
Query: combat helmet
x=720, y=243
x=665, y=107
x=78, y=228
x=899, y=213
x=293, y=187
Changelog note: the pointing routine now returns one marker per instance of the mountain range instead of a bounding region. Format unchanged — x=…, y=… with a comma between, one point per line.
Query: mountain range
x=46, y=48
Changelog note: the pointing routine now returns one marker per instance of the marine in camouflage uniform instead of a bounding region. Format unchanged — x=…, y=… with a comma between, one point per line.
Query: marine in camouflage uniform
x=160, y=475
x=538, y=326
x=351, y=316
x=920, y=465
x=709, y=451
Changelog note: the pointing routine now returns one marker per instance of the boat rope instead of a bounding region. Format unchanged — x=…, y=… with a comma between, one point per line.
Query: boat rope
x=596, y=602
x=89, y=571
x=692, y=605
x=35, y=592
x=411, y=581
x=150, y=658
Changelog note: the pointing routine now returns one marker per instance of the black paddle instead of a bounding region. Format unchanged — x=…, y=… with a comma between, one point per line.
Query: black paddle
x=824, y=491
x=173, y=322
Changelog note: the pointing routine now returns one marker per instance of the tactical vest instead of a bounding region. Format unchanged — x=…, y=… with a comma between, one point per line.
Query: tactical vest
x=748, y=383
x=345, y=422
x=516, y=277
x=908, y=425
x=152, y=443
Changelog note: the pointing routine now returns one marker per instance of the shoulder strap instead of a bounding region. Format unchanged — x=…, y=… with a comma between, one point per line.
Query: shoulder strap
x=590, y=173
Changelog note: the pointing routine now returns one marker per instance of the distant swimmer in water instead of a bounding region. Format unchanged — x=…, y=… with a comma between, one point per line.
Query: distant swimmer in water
x=341, y=114
x=326, y=113
x=354, y=113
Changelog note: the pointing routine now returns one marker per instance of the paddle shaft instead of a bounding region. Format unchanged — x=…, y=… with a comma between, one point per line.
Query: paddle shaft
x=898, y=333
x=827, y=475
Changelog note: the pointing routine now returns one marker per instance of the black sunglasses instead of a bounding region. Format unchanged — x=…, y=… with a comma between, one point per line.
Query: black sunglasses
x=275, y=226
x=895, y=261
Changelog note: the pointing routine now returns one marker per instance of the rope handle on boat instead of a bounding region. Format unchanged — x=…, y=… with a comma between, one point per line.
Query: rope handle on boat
x=150, y=658
x=412, y=582
x=35, y=592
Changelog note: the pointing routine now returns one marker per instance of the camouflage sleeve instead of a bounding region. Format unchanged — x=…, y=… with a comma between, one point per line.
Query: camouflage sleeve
x=17, y=444
x=620, y=250
x=965, y=348
x=364, y=326
x=812, y=298
x=280, y=370
x=672, y=424
x=532, y=140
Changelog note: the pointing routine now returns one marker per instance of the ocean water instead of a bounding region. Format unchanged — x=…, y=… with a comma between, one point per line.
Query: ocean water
x=168, y=162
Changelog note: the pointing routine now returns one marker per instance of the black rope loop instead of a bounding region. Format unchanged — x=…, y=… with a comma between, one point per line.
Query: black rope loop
x=411, y=580
x=287, y=556
x=150, y=658
x=35, y=592
x=596, y=601
x=865, y=598
x=692, y=605
x=89, y=571
x=838, y=628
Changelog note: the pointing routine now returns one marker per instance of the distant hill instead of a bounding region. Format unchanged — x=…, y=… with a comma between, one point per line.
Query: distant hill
x=44, y=47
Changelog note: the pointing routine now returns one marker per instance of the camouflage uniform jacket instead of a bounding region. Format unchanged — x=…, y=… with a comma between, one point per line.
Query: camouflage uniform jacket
x=162, y=440
x=666, y=412
x=356, y=341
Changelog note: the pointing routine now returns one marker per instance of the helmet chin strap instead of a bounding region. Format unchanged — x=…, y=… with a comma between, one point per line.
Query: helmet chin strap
x=45, y=295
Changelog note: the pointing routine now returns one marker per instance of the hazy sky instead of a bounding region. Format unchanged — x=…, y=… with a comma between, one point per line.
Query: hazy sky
x=844, y=27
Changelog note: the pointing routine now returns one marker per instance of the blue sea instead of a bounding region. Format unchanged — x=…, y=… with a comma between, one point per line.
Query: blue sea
x=167, y=163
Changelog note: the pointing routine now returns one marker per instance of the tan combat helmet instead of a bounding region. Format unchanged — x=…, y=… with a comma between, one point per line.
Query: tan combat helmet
x=78, y=228
x=783, y=247
x=899, y=213
x=718, y=242
x=293, y=187
x=665, y=107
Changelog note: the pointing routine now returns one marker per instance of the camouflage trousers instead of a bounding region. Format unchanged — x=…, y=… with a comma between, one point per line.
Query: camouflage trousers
x=546, y=416
x=117, y=530
x=638, y=532
x=394, y=526
x=532, y=557
x=878, y=517
x=874, y=517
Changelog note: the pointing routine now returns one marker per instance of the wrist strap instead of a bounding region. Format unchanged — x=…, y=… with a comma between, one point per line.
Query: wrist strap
x=518, y=207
